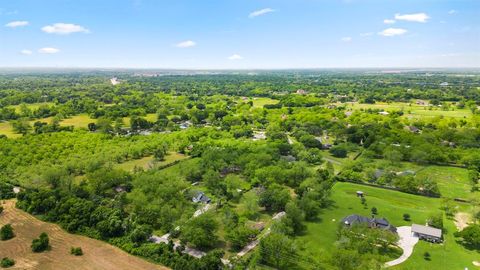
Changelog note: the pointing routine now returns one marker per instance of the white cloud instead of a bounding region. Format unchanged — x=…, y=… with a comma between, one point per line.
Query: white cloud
x=260, y=12
x=390, y=32
x=414, y=17
x=452, y=11
x=48, y=50
x=64, y=29
x=346, y=39
x=26, y=52
x=235, y=57
x=16, y=24
x=388, y=21
x=186, y=44
x=367, y=34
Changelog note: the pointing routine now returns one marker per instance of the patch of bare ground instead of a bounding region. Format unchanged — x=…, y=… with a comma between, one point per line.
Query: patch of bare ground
x=461, y=220
x=97, y=254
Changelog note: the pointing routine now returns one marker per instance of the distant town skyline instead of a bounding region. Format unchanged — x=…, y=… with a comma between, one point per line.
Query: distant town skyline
x=238, y=34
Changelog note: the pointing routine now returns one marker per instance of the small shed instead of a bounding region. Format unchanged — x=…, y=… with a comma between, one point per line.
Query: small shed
x=359, y=193
x=427, y=233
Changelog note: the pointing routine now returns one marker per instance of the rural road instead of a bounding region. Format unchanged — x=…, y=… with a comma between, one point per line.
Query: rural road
x=406, y=242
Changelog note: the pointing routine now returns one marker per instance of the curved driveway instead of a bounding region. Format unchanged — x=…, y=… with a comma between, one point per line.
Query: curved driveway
x=406, y=242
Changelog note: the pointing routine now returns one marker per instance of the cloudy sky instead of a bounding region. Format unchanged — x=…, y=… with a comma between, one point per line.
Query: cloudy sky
x=240, y=33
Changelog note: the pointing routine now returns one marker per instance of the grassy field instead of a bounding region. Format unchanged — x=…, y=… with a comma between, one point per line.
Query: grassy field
x=320, y=236
x=412, y=110
x=259, y=102
x=31, y=106
x=6, y=129
x=147, y=162
x=97, y=254
x=453, y=182
x=77, y=121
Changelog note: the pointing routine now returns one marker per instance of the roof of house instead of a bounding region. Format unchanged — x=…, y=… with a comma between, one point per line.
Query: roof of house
x=200, y=197
x=426, y=230
x=381, y=223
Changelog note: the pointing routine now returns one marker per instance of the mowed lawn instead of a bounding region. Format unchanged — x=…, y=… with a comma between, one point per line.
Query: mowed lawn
x=321, y=235
x=453, y=182
x=412, y=110
x=261, y=101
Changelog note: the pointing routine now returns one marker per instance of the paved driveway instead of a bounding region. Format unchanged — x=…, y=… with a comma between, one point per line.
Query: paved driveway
x=406, y=242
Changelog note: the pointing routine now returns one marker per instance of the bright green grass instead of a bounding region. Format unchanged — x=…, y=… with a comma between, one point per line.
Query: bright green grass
x=412, y=110
x=31, y=106
x=151, y=117
x=321, y=235
x=453, y=182
x=78, y=121
x=259, y=102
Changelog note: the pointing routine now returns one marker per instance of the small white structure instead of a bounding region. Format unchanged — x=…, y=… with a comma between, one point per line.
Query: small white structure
x=279, y=215
x=114, y=81
x=384, y=113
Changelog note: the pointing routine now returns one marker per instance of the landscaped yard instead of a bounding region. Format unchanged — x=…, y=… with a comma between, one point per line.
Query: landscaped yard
x=321, y=235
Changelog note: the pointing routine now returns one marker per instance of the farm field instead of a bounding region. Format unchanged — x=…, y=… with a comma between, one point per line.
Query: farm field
x=97, y=254
x=411, y=110
x=321, y=234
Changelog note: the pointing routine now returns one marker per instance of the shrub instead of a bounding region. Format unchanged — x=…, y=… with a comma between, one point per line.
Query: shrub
x=7, y=262
x=41, y=244
x=426, y=256
x=406, y=217
x=374, y=211
x=6, y=232
x=77, y=251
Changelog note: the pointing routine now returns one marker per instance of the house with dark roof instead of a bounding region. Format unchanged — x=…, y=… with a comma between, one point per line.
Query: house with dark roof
x=373, y=222
x=200, y=197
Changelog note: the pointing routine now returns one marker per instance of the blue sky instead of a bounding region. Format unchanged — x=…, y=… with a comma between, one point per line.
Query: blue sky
x=216, y=34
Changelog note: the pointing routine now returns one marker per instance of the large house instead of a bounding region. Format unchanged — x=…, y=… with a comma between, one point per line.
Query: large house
x=373, y=222
x=430, y=234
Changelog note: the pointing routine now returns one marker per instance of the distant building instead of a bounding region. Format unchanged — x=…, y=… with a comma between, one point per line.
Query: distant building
x=114, y=81
x=444, y=84
x=384, y=113
x=301, y=92
x=427, y=233
x=413, y=129
x=377, y=223
x=200, y=197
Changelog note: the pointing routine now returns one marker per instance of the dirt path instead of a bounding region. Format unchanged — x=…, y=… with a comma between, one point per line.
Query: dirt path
x=97, y=254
